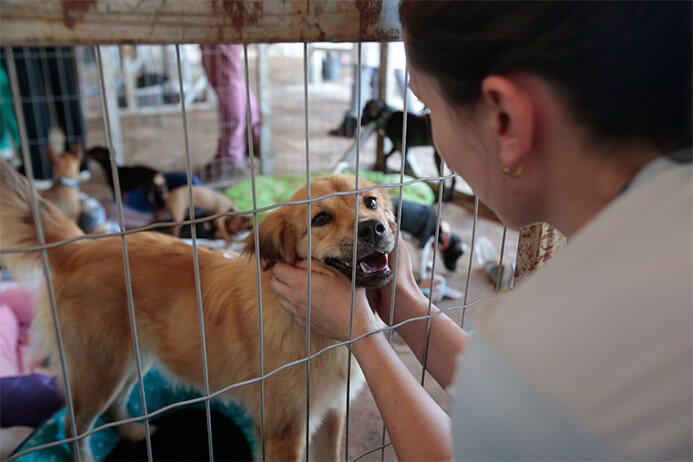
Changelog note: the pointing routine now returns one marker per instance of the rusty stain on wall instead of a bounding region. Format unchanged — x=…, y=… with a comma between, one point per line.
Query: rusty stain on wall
x=537, y=243
x=75, y=9
x=240, y=15
x=370, y=15
x=88, y=22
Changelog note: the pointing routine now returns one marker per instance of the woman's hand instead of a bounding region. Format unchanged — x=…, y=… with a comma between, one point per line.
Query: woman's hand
x=330, y=299
x=406, y=290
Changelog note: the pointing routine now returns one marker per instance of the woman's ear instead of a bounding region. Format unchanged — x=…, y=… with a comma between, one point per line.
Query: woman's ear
x=513, y=118
x=277, y=239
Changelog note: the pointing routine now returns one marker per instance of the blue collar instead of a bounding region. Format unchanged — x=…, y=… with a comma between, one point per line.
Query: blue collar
x=65, y=181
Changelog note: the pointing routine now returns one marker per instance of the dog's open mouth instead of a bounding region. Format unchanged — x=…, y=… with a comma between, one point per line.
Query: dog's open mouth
x=371, y=271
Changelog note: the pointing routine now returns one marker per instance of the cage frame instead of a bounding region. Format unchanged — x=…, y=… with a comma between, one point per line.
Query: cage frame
x=91, y=22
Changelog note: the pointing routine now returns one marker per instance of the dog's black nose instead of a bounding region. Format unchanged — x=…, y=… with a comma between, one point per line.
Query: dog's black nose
x=371, y=231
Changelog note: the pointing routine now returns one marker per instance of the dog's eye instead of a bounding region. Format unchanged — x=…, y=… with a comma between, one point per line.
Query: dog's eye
x=321, y=219
x=371, y=202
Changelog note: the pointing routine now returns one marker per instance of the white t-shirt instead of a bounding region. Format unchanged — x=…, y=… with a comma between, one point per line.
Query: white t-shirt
x=591, y=357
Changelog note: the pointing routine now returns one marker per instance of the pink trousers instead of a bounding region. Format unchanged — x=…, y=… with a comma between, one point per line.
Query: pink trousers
x=224, y=67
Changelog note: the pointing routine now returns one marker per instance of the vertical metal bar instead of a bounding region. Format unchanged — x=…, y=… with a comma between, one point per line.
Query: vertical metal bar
x=110, y=93
x=383, y=72
x=217, y=172
x=257, y=246
x=500, y=262
x=355, y=250
x=66, y=100
x=310, y=243
x=265, y=107
x=471, y=256
x=403, y=165
x=196, y=263
x=17, y=100
x=441, y=187
x=126, y=260
x=52, y=117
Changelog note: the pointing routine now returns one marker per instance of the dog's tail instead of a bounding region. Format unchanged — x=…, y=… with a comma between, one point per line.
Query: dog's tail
x=17, y=228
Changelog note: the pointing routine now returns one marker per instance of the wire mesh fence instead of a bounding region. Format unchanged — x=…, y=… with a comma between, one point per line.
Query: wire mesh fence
x=53, y=73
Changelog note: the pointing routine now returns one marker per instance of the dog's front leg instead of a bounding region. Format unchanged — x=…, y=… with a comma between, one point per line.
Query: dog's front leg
x=326, y=442
x=284, y=442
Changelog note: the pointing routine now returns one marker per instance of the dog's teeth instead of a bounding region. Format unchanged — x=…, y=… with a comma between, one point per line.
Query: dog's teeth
x=363, y=267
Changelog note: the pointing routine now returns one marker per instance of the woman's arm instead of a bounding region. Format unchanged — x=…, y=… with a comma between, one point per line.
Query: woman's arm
x=418, y=428
x=446, y=339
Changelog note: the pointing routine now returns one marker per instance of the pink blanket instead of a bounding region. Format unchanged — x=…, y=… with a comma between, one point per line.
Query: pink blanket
x=16, y=312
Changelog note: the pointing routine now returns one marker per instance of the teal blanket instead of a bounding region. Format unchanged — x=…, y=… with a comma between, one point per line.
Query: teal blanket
x=159, y=393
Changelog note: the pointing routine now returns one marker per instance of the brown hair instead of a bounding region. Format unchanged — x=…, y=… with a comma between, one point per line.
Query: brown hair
x=623, y=67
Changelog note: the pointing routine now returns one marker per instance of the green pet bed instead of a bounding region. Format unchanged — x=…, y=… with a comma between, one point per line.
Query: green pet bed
x=271, y=189
x=159, y=393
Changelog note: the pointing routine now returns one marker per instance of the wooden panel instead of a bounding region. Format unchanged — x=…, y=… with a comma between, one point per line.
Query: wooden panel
x=83, y=22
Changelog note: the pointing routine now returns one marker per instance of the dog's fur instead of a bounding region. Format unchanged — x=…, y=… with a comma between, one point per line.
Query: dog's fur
x=211, y=202
x=89, y=285
x=389, y=124
x=130, y=178
x=65, y=190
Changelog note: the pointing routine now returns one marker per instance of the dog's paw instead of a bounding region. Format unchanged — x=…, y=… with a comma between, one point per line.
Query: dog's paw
x=85, y=454
x=135, y=431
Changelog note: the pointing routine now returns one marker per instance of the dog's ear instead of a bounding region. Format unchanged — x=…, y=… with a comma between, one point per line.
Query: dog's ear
x=98, y=153
x=277, y=239
x=77, y=150
x=376, y=108
x=52, y=157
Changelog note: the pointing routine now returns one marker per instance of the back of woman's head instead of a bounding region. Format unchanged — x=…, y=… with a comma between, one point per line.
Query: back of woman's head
x=623, y=67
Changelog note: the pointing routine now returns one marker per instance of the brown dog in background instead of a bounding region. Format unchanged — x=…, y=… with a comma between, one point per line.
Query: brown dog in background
x=211, y=202
x=90, y=290
x=65, y=190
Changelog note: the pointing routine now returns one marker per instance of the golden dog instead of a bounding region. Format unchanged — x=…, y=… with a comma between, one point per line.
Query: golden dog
x=65, y=190
x=89, y=287
x=211, y=202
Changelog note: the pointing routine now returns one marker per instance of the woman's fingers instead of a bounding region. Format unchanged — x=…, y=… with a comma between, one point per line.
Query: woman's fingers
x=280, y=287
x=288, y=274
x=330, y=314
x=318, y=267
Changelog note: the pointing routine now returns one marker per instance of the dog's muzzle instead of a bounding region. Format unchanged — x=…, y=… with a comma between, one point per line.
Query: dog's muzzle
x=374, y=244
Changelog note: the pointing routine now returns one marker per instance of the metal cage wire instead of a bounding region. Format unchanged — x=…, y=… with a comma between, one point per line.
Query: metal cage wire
x=262, y=374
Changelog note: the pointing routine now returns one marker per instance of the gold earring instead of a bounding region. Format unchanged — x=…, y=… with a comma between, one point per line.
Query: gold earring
x=513, y=173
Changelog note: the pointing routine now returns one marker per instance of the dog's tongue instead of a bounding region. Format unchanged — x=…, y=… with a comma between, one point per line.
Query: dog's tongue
x=375, y=262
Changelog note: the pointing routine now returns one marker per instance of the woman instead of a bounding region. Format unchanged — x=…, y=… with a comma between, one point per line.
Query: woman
x=579, y=115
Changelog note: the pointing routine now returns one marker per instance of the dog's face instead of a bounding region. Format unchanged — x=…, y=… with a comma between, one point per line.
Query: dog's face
x=372, y=110
x=283, y=233
x=238, y=223
x=99, y=154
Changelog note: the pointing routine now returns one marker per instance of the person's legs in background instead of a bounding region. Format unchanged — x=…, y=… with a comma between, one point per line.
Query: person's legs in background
x=224, y=69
